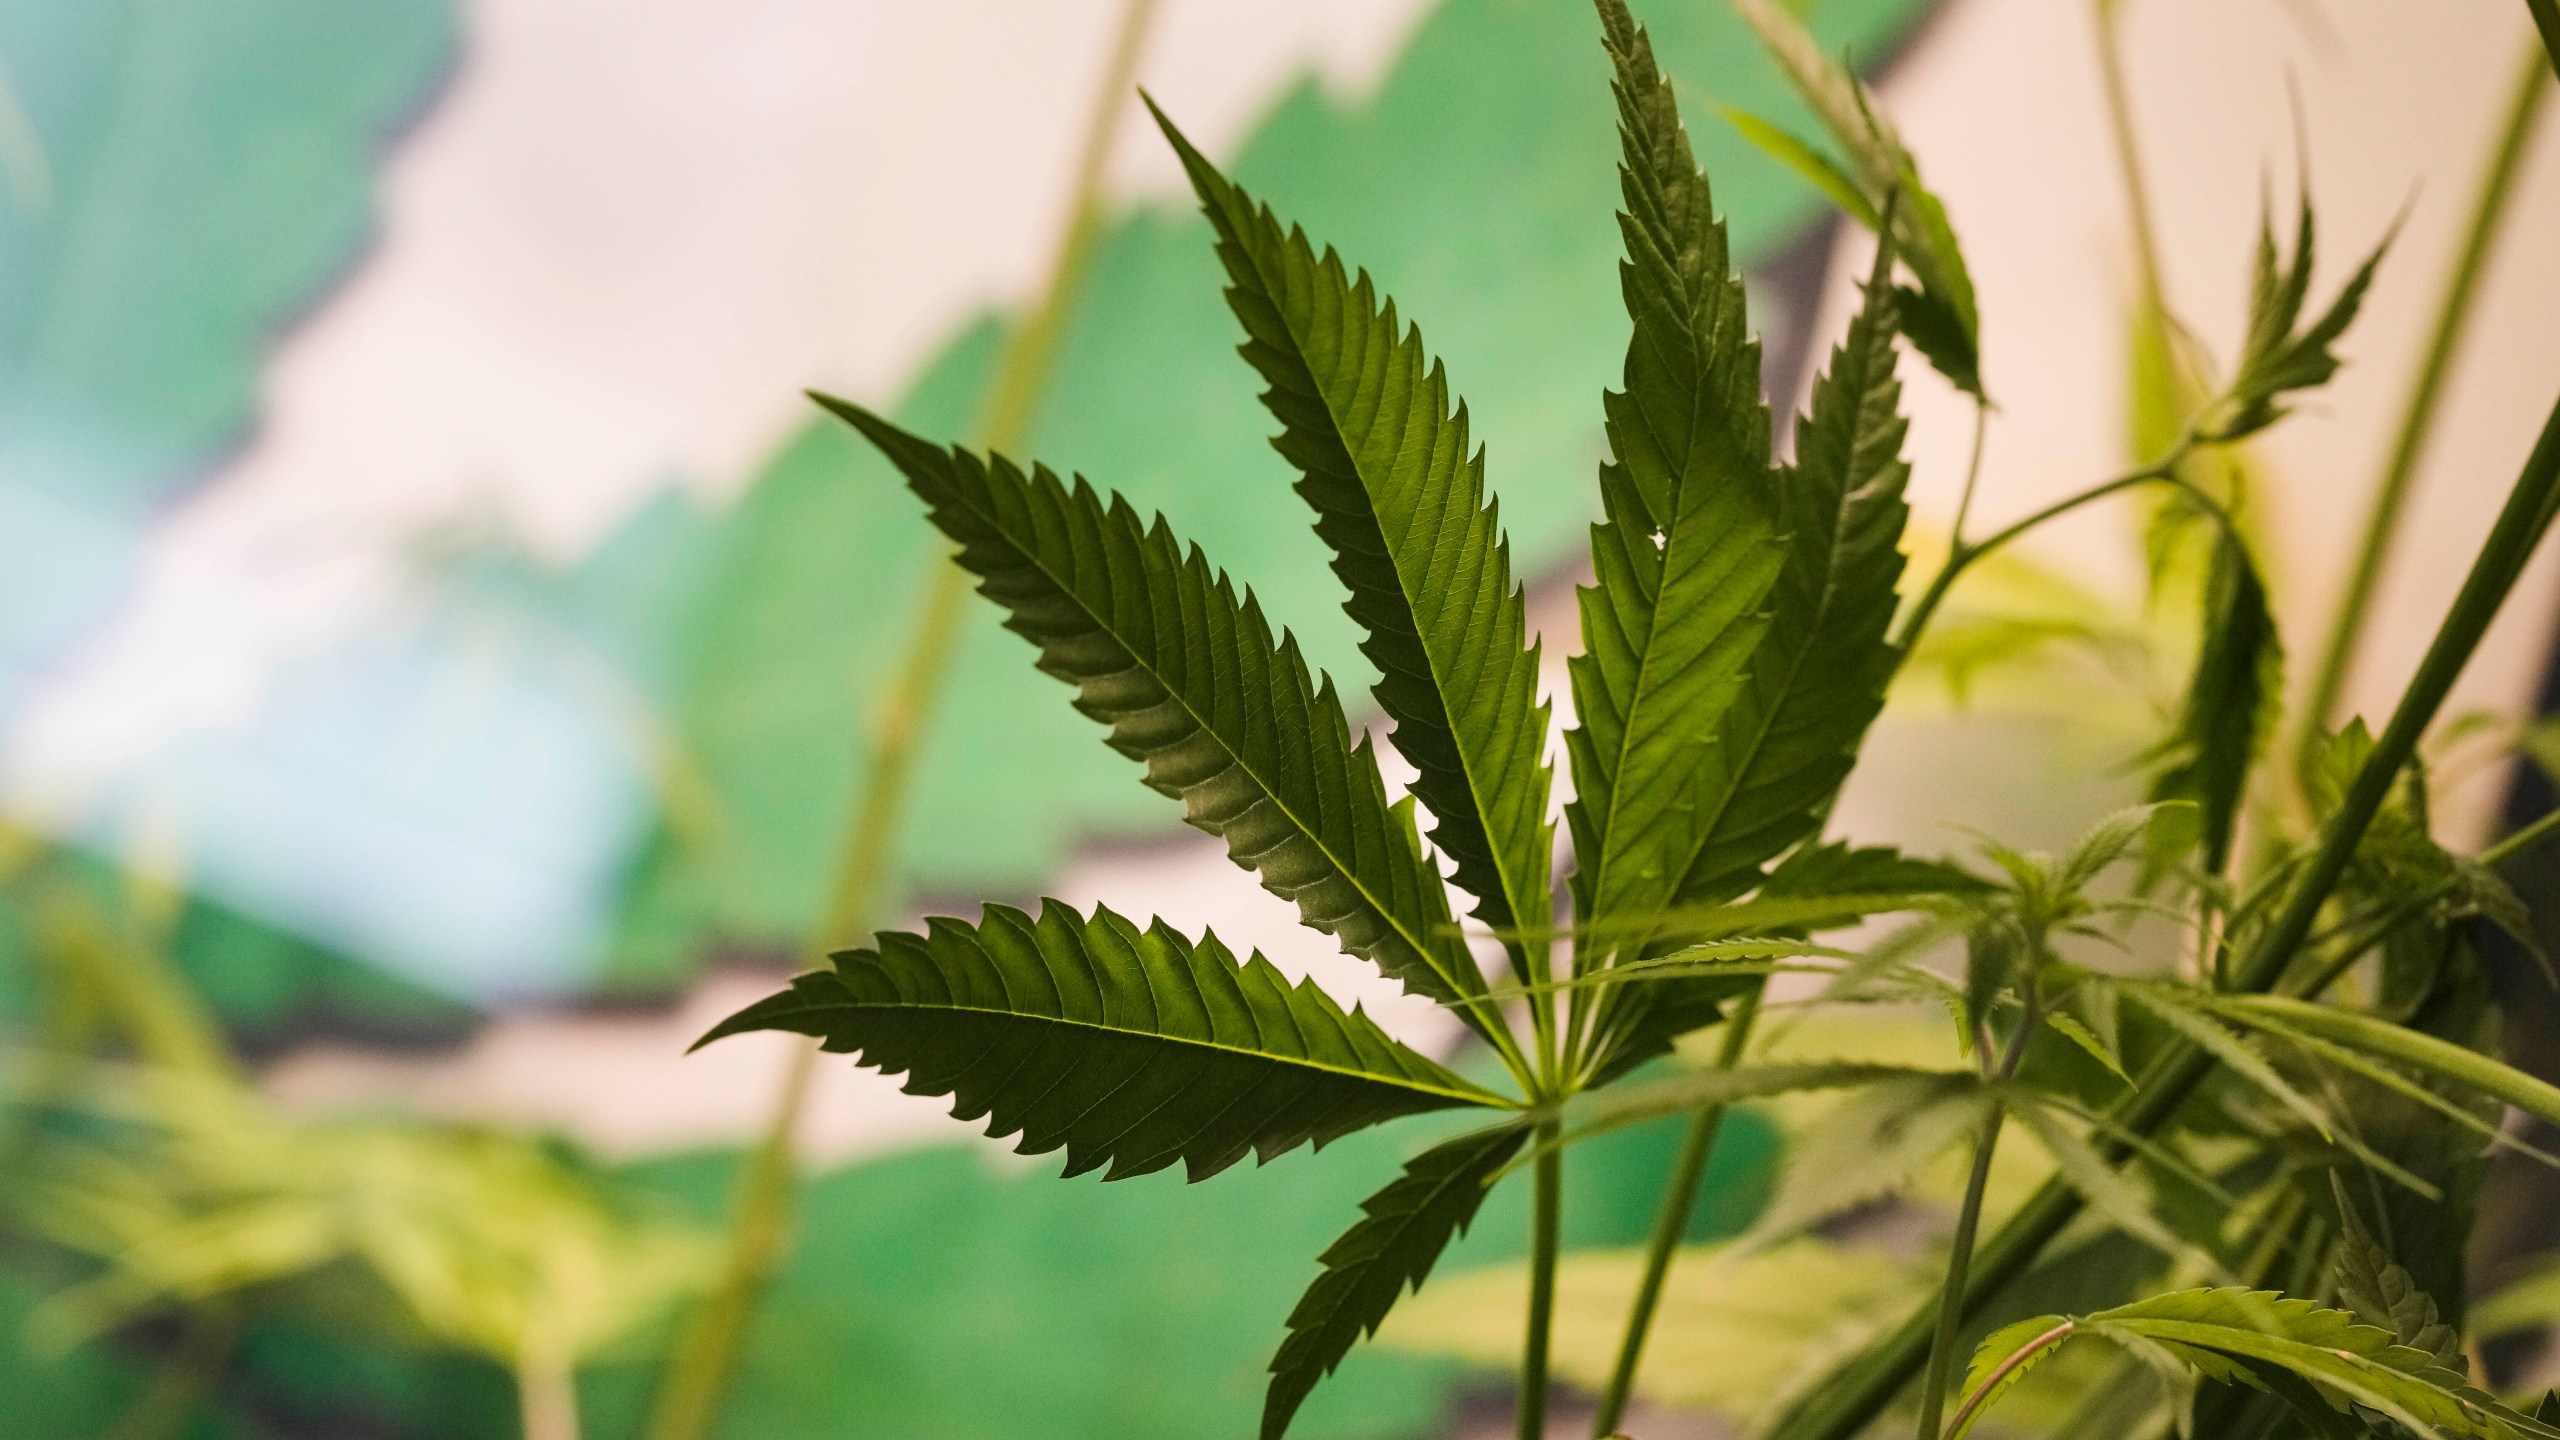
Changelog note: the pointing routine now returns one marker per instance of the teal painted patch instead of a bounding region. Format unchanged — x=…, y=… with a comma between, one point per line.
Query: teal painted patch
x=206, y=172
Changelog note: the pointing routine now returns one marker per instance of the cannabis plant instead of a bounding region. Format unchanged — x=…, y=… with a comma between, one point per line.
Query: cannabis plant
x=1738, y=639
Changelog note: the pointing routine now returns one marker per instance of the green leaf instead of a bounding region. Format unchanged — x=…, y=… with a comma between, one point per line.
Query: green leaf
x=1130, y=1047
x=2343, y=1360
x=2230, y=703
x=2081, y=1035
x=2276, y=359
x=1818, y=169
x=2002, y=1360
x=2383, y=1294
x=2118, y=1196
x=1871, y=1146
x=1392, y=1249
x=1683, y=1094
x=2381, y=1038
x=1188, y=677
x=1399, y=495
x=1689, y=547
x=1940, y=317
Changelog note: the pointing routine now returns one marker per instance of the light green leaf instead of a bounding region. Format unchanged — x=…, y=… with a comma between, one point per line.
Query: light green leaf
x=1940, y=317
x=2343, y=1360
x=1191, y=682
x=2384, y=1295
x=1399, y=495
x=2116, y=1195
x=1817, y=168
x=1391, y=1250
x=2078, y=1034
x=2381, y=1038
x=2002, y=1360
x=2531, y=1299
x=1683, y=1094
x=2230, y=703
x=1130, y=1047
x=2276, y=359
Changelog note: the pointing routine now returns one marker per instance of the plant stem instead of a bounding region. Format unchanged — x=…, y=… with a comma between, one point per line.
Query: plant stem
x=1545, y=1227
x=1842, y=1406
x=1972, y=474
x=1671, y=1222
x=2137, y=193
x=1962, y=556
x=704, y=1364
x=1942, y=1348
x=2337, y=654
x=547, y=1395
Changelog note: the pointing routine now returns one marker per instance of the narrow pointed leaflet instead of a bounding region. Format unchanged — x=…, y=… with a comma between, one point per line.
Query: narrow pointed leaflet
x=1391, y=1250
x=1192, y=684
x=1688, y=549
x=1129, y=1047
x=1399, y=497
x=1816, y=676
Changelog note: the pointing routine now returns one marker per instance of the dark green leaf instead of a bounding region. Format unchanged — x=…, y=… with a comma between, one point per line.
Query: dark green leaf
x=1399, y=497
x=1130, y=1047
x=2230, y=704
x=1941, y=317
x=1939, y=334
x=1187, y=675
x=1392, y=1249
x=1818, y=169
x=2276, y=359
x=2382, y=1294
x=1689, y=548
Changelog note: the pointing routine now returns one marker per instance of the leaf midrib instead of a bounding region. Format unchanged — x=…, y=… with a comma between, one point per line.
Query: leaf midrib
x=1469, y=1095
x=1653, y=605
x=1394, y=921
x=1513, y=887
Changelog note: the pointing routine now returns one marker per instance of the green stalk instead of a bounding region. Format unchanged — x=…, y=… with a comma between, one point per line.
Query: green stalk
x=1843, y=1405
x=2137, y=193
x=1545, y=1228
x=1961, y=556
x=704, y=1365
x=1942, y=1347
x=546, y=1395
x=1671, y=1222
x=2337, y=655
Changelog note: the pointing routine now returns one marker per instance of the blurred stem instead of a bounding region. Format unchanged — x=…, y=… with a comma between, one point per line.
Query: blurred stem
x=704, y=1364
x=187, y=1382
x=2137, y=193
x=547, y=1394
x=1972, y=473
x=1951, y=1296
x=1962, y=555
x=1671, y=1223
x=1545, y=1229
x=2418, y=413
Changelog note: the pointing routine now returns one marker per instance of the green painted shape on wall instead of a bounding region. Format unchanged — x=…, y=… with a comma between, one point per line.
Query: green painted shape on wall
x=267, y=985
x=1477, y=185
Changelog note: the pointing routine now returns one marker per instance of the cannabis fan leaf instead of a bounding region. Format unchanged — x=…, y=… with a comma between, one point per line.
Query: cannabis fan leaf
x=1736, y=648
x=1399, y=499
x=1130, y=1047
x=1190, y=680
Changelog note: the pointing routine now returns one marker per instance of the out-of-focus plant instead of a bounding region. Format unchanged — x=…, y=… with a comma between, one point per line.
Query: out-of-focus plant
x=141, y=1149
